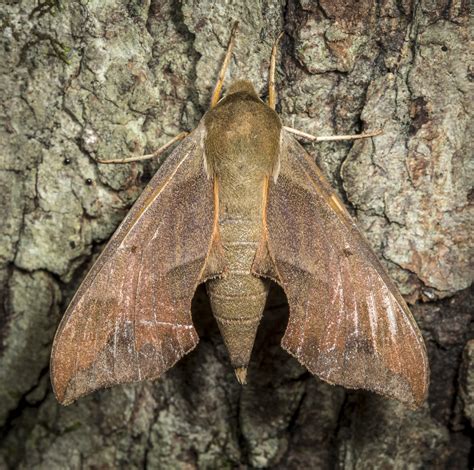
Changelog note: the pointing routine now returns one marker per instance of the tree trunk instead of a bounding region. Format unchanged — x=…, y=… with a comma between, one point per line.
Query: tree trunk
x=86, y=80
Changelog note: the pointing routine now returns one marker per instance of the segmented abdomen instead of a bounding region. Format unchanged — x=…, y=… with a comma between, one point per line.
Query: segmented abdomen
x=238, y=299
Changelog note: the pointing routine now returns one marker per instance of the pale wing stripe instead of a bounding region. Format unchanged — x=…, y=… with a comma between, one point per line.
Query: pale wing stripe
x=137, y=281
x=372, y=320
x=387, y=303
x=373, y=312
x=165, y=323
x=153, y=196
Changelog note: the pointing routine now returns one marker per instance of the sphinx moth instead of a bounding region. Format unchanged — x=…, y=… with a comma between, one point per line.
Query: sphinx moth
x=238, y=204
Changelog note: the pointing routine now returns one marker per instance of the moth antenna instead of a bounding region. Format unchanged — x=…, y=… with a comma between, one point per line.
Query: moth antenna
x=271, y=74
x=329, y=138
x=156, y=153
x=220, y=79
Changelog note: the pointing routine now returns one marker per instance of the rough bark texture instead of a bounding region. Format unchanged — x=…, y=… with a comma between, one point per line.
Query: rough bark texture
x=84, y=80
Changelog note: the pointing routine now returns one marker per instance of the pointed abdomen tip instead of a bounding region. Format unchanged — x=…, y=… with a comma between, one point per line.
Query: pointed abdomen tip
x=241, y=374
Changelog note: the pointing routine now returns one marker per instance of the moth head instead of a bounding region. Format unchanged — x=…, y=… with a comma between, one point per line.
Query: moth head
x=242, y=86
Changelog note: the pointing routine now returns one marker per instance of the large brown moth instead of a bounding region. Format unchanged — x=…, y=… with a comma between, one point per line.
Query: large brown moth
x=239, y=203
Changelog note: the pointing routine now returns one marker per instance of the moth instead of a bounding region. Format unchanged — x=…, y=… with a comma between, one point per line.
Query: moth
x=238, y=204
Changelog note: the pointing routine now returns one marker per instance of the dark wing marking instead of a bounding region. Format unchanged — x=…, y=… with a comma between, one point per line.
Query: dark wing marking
x=130, y=319
x=348, y=323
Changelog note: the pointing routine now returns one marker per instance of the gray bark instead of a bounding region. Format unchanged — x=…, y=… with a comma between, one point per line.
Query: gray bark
x=87, y=80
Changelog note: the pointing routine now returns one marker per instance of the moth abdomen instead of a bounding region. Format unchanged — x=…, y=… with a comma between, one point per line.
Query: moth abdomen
x=237, y=302
x=238, y=299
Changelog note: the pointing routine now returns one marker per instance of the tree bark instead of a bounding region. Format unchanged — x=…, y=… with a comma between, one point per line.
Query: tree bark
x=82, y=81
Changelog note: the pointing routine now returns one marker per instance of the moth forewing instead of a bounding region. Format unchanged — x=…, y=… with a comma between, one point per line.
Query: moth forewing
x=348, y=323
x=130, y=318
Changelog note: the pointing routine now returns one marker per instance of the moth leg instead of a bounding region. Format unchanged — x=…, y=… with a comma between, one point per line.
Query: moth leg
x=220, y=79
x=156, y=153
x=329, y=138
x=271, y=74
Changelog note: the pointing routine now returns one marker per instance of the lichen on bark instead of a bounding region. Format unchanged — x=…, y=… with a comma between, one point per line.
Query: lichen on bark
x=88, y=80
